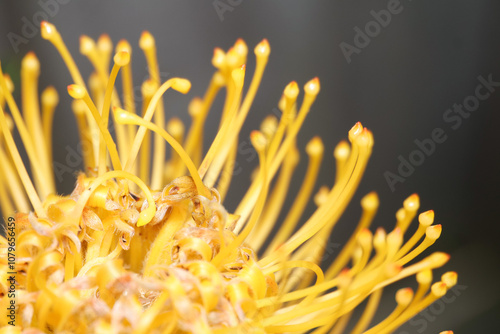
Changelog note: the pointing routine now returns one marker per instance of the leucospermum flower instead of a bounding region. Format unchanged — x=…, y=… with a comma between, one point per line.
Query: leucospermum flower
x=146, y=246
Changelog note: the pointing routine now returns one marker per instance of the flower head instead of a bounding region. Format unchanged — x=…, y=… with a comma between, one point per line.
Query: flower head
x=145, y=245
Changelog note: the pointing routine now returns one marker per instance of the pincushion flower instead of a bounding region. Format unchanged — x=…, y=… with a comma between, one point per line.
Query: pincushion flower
x=145, y=245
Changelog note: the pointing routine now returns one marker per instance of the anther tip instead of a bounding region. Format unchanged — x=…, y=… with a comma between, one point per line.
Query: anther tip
x=370, y=202
x=123, y=45
x=30, y=62
x=263, y=49
x=238, y=75
x=433, y=232
x=404, y=296
x=291, y=90
x=449, y=278
x=87, y=44
x=438, y=259
x=312, y=87
x=426, y=218
x=181, y=85
x=146, y=41
x=412, y=203
x=258, y=140
x=315, y=146
x=48, y=30
x=355, y=131
x=121, y=58
x=76, y=91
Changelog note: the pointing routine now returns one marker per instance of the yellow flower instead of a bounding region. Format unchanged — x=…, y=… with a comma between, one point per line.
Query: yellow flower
x=144, y=246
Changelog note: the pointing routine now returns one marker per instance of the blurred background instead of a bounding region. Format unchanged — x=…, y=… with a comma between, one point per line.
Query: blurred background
x=402, y=68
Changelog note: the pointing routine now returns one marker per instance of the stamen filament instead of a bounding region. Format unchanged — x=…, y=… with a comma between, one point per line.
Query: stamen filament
x=425, y=220
x=178, y=84
x=160, y=250
x=40, y=180
x=148, y=89
x=11, y=179
x=121, y=59
x=275, y=202
x=81, y=111
x=18, y=162
x=50, y=99
x=262, y=51
x=125, y=117
x=79, y=93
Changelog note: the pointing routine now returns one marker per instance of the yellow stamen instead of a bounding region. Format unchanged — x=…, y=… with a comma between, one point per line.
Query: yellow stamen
x=124, y=117
x=50, y=33
x=438, y=290
x=128, y=89
x=176, y=129
x=370, y=204
x=194, y=140
x=314, y=150
x=30, y=70
x=259, y=142
x=246, y=205
x=262, y=51
x=341, y=153
x=80, y=111
x=161, y=249
x=21, y=170
x=368, y=313
x=105, y=47
x=178, y=84
x=148, y=46
x=79, y=93
x=50, y=99
x=148, y=89
x=238, y=77
x=327, y=215
x=121, y=59
x=11, y=179
x=291, y=92
x=410, y=206
x=40, y=179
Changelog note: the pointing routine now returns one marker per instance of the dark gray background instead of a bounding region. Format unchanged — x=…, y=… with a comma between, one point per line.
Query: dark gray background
x=399, y=86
